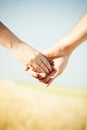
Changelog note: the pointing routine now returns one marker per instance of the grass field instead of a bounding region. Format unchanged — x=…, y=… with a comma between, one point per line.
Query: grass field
x=26, y=106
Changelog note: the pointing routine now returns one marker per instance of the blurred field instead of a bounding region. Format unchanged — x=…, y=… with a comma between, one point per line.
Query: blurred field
x=26, y=106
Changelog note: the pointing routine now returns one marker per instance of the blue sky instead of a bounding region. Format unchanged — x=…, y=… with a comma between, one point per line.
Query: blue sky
x=41, y=23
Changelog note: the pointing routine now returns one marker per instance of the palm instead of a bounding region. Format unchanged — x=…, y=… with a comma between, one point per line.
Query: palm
x=59, y=65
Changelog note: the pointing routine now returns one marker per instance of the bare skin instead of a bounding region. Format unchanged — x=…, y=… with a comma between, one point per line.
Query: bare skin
x=49, y=65
x=60, y=53
x=23, y=52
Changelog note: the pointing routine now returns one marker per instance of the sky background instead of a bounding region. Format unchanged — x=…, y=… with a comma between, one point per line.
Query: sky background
x=41, y=23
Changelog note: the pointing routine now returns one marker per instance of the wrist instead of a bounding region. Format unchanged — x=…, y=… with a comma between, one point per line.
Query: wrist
x=18, y=50
x=7, y=38
x=15, y=45
x=65, y=49
x=56, y=51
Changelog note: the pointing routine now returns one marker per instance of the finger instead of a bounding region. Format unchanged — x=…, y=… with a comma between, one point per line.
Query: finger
x=33, y=74
x=48, y=77
x=49, y=82
x=52, y=78
x=41, y=75
x=26, y=68
x=46, y=63
x=37, y=75
x=39, y=71
x=39, y=67
x=42, y=67
x=35, y=67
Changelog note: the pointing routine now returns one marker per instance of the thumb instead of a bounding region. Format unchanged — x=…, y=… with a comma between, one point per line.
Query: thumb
x=27, y=68
x=46, y=53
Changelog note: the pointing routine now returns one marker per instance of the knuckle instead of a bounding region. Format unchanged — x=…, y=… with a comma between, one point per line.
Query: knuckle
x=59, y=72
x=35, y=57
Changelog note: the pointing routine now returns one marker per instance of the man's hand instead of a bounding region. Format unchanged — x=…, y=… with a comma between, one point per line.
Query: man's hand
x=32, y=58
x=23, y=52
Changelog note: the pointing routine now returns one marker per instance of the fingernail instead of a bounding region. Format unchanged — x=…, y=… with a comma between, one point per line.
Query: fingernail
x=43, y=75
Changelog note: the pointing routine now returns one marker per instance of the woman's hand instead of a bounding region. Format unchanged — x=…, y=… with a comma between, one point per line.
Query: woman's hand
x=32, y=58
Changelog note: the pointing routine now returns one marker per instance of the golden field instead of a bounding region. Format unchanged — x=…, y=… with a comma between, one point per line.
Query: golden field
x=26, y=106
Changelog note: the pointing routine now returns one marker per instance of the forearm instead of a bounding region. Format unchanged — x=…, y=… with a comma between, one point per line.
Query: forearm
x=72, y=39
x=75, y=37
x=13, y=43
x=24, y=52
x=7, y=38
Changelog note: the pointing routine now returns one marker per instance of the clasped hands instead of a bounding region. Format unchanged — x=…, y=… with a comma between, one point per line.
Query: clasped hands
x=49, y=64
x=45, y=66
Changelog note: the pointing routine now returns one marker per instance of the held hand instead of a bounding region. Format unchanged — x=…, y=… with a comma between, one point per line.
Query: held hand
x=23, y=52
x=59, y=65
x=33, y=59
